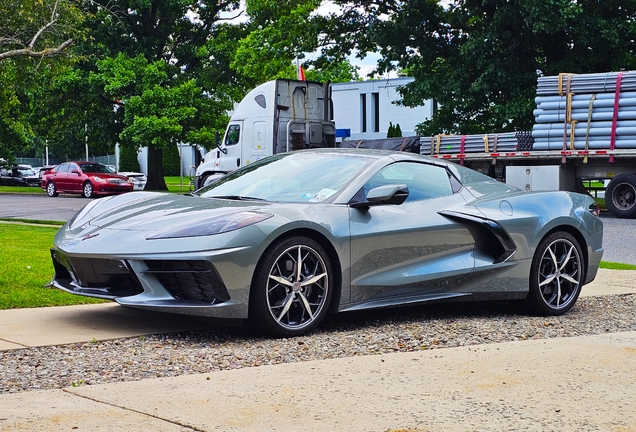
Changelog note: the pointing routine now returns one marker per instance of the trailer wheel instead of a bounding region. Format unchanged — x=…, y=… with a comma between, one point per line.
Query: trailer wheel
x=620, y=196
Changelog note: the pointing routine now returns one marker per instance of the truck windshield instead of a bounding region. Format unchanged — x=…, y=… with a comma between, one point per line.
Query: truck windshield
x=290, y=177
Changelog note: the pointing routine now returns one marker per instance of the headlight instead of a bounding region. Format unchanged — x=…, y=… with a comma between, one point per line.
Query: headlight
x=211, y=226
x=99, y=179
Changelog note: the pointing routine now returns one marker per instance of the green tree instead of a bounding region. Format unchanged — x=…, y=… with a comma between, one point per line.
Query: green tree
x=280, y=33
x=479, y=60
x=33, y=37
x=397, y=131
x=153, y=73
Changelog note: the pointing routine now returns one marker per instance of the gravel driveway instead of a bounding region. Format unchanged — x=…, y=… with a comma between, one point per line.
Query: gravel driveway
x=345, y=335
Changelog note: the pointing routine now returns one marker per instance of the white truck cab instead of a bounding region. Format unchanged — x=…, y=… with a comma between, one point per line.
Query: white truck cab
x=275, y=117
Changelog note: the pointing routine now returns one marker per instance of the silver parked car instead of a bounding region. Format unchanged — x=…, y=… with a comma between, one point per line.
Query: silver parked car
x=285, y=240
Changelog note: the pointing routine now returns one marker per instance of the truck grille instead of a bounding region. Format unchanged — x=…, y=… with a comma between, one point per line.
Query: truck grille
x=190, y=280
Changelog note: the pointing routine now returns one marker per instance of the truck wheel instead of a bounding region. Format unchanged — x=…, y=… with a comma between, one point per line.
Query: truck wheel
x=620, y=196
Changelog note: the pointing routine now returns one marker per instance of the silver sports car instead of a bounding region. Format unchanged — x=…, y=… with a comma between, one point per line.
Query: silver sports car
x=285, y=240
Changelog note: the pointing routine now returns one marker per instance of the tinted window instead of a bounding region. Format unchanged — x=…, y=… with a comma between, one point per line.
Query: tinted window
x=233, y=134
x=424, y=181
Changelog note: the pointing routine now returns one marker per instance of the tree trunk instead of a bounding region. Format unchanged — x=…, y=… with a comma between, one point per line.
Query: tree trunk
x=156, y=182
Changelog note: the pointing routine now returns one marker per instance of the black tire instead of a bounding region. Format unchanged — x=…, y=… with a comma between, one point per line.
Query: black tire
x=620, y=196
x=87, y=190
x=557, y=274
x=51, y=190
x=287, y=299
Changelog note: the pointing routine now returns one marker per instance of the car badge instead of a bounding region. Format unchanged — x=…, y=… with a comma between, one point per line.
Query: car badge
x=89, y=236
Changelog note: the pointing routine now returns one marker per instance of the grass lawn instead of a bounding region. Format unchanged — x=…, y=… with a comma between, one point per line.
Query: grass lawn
x=174, y=184
x=26, y=267
x=22, y=189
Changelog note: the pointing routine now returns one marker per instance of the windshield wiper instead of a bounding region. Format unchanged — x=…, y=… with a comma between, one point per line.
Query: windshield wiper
x=237, y=198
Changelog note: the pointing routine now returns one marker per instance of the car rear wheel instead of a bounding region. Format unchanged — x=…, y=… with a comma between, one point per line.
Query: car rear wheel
x=87, y=190
x=51, y=190
x=557, y=274
x=292, y=288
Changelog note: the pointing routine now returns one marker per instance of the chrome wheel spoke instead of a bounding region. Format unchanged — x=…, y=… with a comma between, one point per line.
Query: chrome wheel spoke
x=299, y=264
x=555, y=262
x=280, y=280
x=569, y=279
x=305, y=302
x=548, y=280
x=287, y=304
x=313, y=279
x=566, y=260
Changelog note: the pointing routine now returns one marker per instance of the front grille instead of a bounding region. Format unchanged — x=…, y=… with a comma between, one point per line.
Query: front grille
x=95, y=275
x=190, y=280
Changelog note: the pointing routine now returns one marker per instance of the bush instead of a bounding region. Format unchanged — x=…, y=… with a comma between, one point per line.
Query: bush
x=171, y=162
x=128, y=159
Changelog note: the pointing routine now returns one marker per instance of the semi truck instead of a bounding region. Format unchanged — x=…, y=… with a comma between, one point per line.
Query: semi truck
x=284, y=115
x=277, y=116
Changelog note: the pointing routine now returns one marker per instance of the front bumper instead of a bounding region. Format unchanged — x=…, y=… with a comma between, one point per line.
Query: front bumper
x=188, y=285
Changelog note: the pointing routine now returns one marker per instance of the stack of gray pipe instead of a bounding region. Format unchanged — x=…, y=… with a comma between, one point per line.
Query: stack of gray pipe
x=452, y=144
x=594, y=126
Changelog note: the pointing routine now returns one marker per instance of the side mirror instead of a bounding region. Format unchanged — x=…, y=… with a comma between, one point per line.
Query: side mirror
x=75, y=172
x=394, y=194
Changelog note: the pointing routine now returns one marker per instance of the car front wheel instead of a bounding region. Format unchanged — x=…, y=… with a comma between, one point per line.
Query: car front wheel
x=51, y=190
x=292, y=288
x=557, y=274
x=87, y=190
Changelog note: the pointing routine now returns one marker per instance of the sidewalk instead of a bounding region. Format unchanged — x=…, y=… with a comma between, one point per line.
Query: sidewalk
x=582, y=383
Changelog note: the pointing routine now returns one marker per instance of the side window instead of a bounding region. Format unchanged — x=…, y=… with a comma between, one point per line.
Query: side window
x=423, y=180
x=62, y=168
x=72, y=167
x=233, y=135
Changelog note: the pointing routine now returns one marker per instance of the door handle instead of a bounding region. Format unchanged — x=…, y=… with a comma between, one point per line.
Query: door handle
x=238, y=162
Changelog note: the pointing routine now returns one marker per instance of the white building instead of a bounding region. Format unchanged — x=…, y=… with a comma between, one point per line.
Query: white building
x=367, y=107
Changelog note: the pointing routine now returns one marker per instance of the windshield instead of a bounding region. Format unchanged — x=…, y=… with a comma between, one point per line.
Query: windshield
x=96, y=168
x=289, y=177
x=26, y=172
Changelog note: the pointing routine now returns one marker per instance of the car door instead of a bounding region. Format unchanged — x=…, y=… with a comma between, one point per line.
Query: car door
x=58, y=177
x=409, y=249
x=74, y=178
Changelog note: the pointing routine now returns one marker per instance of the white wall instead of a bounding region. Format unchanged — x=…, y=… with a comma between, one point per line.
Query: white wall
x=347, y=107
x=187, y=159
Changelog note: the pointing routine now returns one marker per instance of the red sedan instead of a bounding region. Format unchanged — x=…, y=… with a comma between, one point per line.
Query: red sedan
x=86, y=178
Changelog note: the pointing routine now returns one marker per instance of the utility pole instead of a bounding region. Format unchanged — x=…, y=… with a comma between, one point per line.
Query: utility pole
x=86, y=134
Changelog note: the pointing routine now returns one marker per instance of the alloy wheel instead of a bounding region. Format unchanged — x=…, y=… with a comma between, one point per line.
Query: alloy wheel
x=560, y=274
x=297, y=287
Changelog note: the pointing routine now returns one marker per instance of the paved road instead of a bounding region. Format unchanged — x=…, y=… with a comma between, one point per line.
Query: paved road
x=40, y=207
x=619, y=240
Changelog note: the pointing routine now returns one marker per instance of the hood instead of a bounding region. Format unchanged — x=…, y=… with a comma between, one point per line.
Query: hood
x=152, y=211
x=106, y=175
